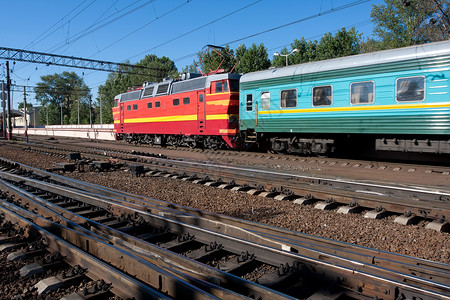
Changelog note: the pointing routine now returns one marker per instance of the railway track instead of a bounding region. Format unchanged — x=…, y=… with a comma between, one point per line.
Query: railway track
x=210, y=252
x=410, y=204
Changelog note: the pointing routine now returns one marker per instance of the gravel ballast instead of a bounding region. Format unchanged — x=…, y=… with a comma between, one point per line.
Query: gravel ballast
x=383, y=234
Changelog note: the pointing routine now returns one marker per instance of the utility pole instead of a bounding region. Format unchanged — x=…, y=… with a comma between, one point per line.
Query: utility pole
x=3, y=94
x=8, y=91
x=62, y=104
x=100, y=102
x=78, y=111
x=90, y=111
x=25, y=111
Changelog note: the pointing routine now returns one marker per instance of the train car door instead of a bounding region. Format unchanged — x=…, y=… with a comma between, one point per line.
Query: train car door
x=249, y=111
x=121, y=114
x=201, y=120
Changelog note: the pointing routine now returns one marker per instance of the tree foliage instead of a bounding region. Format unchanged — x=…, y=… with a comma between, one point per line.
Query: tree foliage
x=217, y=59
x=252, y=59
x=21, y=105
x=412, y=22
x=343, y=43
x=61, y=90
x=119, y=82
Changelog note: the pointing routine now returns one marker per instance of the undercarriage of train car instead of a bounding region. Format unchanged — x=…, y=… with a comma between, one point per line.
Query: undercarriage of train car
x=299, y=144
x=345, y=143
x=191, y=141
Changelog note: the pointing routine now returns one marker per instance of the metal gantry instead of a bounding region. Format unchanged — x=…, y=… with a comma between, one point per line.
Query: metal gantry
x=70, y=61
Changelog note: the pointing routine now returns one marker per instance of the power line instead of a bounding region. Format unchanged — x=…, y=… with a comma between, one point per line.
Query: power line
x=300, y=20
x=32, y=42
x=286, y=25
x=195, y=29
x=66, y=22
x=143, y=26
x=88, y=31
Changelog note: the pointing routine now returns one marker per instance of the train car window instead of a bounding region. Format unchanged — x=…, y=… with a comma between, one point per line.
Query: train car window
x=131, y=96
x=288, y=98
x=162, y=89
x=128, y=107
x=148, y=92
x=219, y=87
x=135, y=106
x=176, y=102
x=322, y=95
x=200, y=98
x=234, y=85
x=157, y=104
x=149, y=105
x=186, y=100
x=410, y=89
x=225, y=86
x=121, y=108
x=249, y=106
x=362, y=92
x=265, y=100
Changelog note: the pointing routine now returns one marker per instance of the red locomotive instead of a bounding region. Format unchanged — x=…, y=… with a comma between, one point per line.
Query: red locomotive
x=192, y=111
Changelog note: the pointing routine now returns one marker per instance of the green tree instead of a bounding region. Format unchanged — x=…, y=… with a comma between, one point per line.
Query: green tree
x=252, y=59
x=29, y=105
x=343, y=43
x=120, y=81
x=217, y=59
x=405, y=23
x=306, y=51
x=190, y=68
x=60, y=90
x=369, y=45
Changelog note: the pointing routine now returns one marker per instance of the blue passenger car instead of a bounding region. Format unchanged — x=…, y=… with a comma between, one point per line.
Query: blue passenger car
x=396, y=100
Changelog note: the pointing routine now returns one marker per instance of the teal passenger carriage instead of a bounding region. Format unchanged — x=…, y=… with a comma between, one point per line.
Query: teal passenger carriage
x=396, y=100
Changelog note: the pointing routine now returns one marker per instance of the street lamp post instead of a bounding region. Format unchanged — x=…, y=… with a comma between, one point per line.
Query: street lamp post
x=62, y=104
x=286, y=55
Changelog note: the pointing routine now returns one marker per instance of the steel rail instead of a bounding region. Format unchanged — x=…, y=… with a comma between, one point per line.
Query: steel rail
x=409, y=279
x=290, y=239
x=122, y=284
x=168, y=260
x=429, y=203
x=161, y=281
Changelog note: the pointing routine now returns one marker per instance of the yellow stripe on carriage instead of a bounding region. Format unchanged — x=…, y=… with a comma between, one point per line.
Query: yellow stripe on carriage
x=162, y=119
x=176, y=118
x=357, y=108
x=219, y=117
x=223, y=93
x=223, y=102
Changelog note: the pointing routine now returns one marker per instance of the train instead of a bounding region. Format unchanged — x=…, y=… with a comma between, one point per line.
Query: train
x=391, y=100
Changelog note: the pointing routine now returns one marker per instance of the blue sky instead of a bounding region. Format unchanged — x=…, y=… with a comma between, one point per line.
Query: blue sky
x=120, y=30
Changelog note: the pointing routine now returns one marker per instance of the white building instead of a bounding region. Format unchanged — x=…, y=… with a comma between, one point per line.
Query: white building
x=33, y=119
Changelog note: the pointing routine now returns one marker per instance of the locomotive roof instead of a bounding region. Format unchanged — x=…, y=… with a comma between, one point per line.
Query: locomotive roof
x=172, y=86
x=354, y=61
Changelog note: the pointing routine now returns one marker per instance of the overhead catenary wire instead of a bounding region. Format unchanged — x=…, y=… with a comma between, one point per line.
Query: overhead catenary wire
x=354, y=3
x=195, y=29
x=88, y=31
x=37, y=38
x=93, y=1
x=143, y=26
